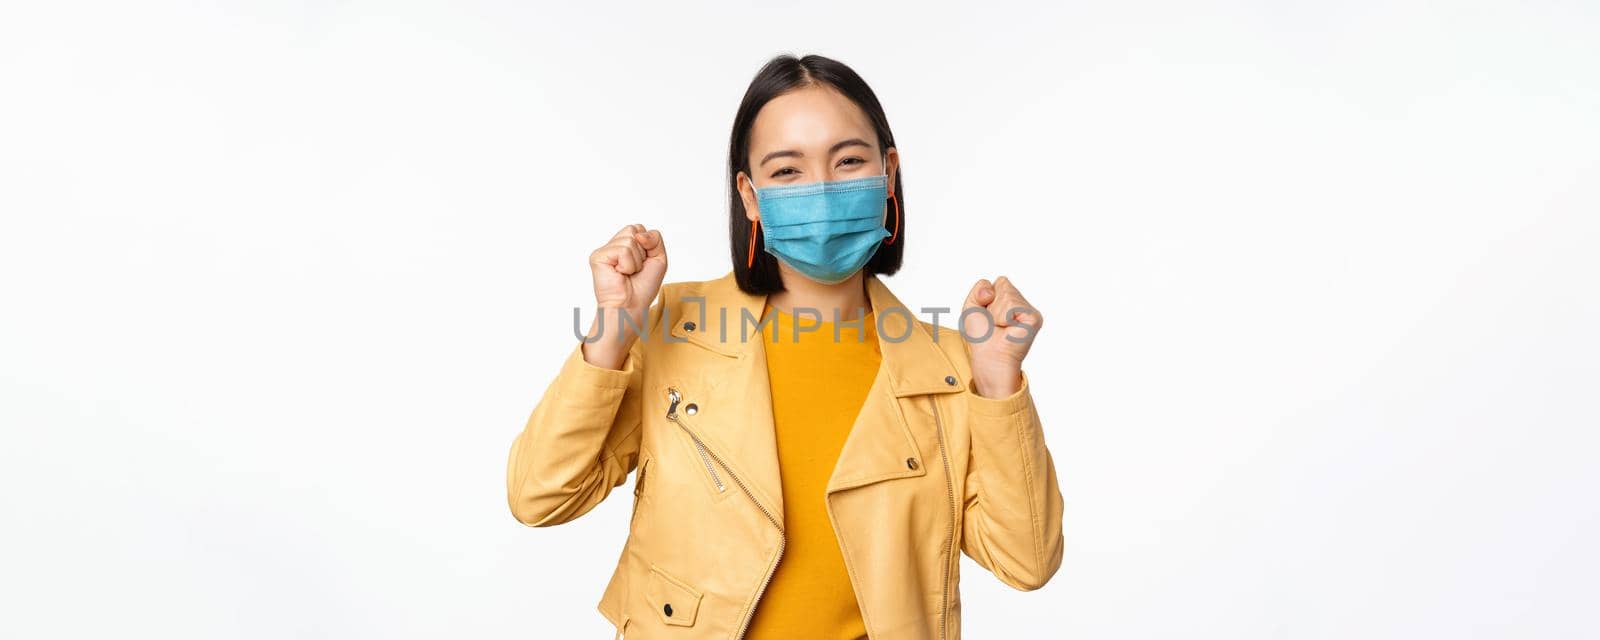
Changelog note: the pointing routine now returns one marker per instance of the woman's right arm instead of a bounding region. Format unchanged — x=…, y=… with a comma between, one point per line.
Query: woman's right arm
x=583, y=437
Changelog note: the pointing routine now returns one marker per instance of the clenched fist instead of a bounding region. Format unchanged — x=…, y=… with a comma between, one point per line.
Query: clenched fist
x=1000, y=326
x=627, y=271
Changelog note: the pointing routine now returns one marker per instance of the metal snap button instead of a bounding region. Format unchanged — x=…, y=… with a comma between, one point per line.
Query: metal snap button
x=692, y=409
x=950, y=380
x=667, y=609
x=688, y=326
x=911, y=463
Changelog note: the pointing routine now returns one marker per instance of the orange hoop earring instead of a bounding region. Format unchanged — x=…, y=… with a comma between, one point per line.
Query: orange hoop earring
x=750, y=260
x=896, y=234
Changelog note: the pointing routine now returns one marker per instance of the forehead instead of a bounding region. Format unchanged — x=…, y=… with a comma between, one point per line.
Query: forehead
x=811, y=117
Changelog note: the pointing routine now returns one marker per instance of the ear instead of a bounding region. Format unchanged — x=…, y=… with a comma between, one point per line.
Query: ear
x=747, y=193
x=891, y=165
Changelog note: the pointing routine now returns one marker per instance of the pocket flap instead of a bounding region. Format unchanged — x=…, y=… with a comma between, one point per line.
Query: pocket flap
x=675, y=602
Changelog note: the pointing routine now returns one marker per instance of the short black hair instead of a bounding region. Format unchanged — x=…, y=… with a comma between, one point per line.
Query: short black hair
x=781, y=75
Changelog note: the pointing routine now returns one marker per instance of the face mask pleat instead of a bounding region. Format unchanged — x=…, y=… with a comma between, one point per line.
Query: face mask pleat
x=825, y=230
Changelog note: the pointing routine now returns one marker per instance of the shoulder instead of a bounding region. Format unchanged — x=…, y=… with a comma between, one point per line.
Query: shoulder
x=950, y=341
x=675, y=292
x=694, y=295
x=723, y=288
x=701, y=306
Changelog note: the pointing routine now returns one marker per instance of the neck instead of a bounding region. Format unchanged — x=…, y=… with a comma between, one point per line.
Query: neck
x=847, y=299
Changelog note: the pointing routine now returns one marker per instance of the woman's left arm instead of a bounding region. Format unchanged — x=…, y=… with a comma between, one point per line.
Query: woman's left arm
x=1012, y=525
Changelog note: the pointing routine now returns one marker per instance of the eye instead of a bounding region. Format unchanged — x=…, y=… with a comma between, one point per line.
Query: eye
x=852, y=160
x=786, y=171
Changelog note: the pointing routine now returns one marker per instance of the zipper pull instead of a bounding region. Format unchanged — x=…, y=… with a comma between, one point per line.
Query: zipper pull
x=673, y=397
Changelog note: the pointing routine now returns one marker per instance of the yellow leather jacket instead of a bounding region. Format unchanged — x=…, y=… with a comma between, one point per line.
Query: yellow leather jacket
x=929, y=467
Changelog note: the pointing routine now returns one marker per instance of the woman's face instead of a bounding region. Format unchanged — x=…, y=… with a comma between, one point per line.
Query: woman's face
x=812, y=134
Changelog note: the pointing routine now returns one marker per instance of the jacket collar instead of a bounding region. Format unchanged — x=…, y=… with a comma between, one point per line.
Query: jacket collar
x=724, y=318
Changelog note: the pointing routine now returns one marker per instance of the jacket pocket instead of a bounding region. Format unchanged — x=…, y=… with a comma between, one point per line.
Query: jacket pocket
x=676, y=603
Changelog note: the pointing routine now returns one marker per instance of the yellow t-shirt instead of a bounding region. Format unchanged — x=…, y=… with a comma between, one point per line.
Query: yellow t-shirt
x=818, y=386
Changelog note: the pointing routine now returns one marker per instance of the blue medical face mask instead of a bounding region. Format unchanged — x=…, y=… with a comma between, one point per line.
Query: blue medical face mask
x=825, y=230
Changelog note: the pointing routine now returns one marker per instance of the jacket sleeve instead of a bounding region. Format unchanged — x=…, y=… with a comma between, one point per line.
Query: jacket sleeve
x=1012, y=525
x=581, y=441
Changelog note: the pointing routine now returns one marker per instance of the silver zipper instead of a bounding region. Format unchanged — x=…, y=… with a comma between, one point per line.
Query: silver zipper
x=950, y=530
x=672, y=414
x=709, y=468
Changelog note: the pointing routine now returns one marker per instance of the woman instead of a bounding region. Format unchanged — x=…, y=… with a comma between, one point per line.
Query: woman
x=809, y=456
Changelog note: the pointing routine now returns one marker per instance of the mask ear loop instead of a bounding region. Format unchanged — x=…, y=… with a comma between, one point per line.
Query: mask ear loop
x=896, y=234
x=750, y=260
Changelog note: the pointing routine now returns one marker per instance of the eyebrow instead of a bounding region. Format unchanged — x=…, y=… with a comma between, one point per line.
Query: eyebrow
x=790, y=153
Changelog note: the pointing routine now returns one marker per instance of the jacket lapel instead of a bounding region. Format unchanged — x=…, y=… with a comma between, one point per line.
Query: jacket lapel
x=881, y=441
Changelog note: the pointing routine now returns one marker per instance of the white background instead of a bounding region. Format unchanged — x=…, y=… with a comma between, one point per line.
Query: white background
x=281, y=281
